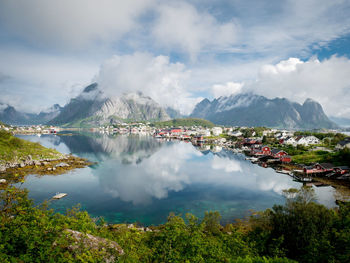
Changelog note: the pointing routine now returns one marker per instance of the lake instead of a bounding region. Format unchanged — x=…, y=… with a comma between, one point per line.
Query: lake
x=138, y=178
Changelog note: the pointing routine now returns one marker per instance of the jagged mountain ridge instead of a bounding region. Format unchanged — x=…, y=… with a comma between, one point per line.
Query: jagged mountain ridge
x=9, y=115
x=249, y=109
x=92, y=107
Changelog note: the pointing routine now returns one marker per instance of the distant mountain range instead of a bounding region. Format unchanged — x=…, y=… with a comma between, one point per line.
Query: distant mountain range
x=248, y=109
x=9, y=115
x=93, y=108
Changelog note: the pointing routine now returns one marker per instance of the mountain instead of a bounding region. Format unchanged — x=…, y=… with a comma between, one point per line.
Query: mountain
x=9, y=115
x=173, y=113
x=343, y=122
x=92, y=108
x=248, y=109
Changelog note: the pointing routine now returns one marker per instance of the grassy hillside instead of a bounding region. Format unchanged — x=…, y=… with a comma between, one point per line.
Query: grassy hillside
x=13, y=148
x=188, y=122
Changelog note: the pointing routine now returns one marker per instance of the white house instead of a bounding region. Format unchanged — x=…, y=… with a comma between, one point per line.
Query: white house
x=235, y=133
x=216, y=131
x=343, y=144
x=307, y=140
x=290, y=141
x=204, y=132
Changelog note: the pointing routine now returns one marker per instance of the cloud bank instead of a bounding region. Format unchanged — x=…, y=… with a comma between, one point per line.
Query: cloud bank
x=325, y=81
x=67, y=24
x=52, y=49
x=155, y=76
x=181, y=26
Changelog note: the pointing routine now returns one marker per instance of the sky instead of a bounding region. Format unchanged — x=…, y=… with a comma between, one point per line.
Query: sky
x=177, y=52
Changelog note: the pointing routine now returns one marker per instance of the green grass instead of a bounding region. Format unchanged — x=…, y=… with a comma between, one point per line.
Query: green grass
x=337, y=158
x=311, y=157
x=13, y=148
x=187, y=122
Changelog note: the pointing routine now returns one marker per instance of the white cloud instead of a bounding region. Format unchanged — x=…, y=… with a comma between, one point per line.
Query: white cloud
x=38, y=80
x=155, y=76
x=230, y=88
x=326, y=82
x=219, y=163
x=293, y=26
x=181, y=26
x=71, y=24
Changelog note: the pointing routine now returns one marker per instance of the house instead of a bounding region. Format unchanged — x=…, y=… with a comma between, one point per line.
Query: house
x=319, y=168
x=286, y=159
x=343, y=144
x=216, y=131
x=185, y=137
x=290, y=141
x=249, y=142
x=277, y=153
x=325, y=167
x=235, y=133
x=203, y=132
x=307, y=140
x=175, y=130
x=340, y=170
x=260, y=150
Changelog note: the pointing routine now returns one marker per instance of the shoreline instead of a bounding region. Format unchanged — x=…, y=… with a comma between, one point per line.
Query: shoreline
x=15, y=171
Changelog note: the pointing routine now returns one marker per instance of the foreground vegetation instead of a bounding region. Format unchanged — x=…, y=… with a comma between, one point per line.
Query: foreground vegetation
x=186, y=122
x=300, y=230
x=15, y=149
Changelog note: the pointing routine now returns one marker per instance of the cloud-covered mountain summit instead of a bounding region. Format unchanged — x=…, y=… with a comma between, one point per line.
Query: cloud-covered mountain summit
x=93, y=107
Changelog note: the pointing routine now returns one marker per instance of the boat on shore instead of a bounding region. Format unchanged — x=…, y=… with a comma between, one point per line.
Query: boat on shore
x=59, y=195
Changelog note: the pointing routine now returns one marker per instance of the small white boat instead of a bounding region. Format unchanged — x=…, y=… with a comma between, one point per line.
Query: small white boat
x=59, y=195
x=284, y=172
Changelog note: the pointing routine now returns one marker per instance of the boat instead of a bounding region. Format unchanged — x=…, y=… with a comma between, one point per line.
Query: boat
x=284, y=172
x=303, y=178
x=252, y=159
x=59, y=195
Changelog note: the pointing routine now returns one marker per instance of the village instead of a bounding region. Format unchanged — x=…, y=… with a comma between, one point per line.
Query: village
x=298, y=154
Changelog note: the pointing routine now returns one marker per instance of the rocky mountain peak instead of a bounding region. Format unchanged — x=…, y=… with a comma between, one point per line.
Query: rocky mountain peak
x=247, y=109
x=91, y=87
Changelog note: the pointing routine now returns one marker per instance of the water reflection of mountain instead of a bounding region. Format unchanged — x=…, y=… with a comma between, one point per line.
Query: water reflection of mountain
x=129, y=149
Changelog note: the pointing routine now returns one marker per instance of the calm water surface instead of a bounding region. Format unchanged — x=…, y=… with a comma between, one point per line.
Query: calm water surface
x=142, y=179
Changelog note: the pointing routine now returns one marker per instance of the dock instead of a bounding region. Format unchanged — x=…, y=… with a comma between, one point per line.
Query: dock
x=59, y=195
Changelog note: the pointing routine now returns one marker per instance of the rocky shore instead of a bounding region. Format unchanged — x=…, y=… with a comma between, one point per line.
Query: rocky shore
x=15, y=170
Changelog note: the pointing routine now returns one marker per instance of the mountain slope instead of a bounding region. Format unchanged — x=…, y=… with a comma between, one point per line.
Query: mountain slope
x=253, y=110
x=92, y=108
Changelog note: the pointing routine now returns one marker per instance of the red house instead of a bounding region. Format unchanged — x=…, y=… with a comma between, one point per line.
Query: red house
x=341, y=170
x=175, y=130
x=286, y=159
x=249, y=142
x=278, y=153
x=261, y=150
x=319, y=168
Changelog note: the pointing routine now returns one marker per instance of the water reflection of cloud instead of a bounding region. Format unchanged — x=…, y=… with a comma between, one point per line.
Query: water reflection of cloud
x=153, y=177
x=225, y=164
x=175, y=166
x=138, y=169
